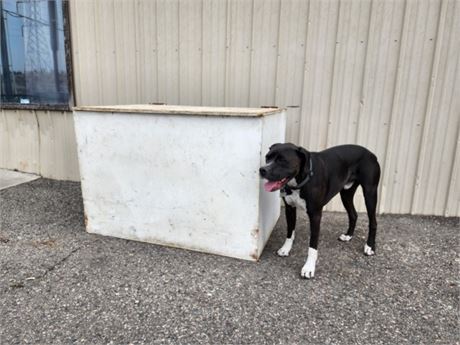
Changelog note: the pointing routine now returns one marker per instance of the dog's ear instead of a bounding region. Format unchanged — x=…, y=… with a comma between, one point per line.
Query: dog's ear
x=303, y=154
x=273, y=146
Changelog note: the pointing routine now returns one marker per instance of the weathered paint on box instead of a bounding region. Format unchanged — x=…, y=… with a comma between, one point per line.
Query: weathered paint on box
x=179, y=180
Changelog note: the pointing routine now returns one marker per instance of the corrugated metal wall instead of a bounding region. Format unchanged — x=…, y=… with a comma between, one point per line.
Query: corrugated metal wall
x=383, y=74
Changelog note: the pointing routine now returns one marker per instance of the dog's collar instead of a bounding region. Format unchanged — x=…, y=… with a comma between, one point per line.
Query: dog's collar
x=288, y=189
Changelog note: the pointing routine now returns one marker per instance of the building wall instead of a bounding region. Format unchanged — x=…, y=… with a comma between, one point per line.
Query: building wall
x=383, y=74
x=39, y=142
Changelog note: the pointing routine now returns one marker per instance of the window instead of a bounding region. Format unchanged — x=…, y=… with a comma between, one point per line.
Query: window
x=34, y=61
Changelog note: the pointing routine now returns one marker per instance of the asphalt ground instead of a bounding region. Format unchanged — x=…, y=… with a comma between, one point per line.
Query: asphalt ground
x=60, y=285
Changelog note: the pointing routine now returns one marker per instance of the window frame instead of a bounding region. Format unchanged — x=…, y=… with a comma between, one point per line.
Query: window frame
x=69, y=64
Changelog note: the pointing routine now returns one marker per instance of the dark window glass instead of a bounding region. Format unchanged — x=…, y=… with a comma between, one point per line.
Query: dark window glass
x=33, y=58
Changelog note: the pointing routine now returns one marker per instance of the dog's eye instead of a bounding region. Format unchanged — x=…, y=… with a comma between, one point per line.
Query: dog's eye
x=281, y=160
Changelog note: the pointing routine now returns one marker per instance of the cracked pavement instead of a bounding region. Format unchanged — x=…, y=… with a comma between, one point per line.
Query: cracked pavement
x=60, y=285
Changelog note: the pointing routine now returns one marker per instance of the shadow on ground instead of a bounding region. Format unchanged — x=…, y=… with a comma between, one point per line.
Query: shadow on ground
x=59, y=284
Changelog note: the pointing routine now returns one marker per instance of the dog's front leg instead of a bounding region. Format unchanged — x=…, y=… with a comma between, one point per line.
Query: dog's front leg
x=308, y=270
x=291, y=215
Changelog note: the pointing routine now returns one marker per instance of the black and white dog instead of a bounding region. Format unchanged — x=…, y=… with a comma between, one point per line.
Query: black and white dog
x=308, y=180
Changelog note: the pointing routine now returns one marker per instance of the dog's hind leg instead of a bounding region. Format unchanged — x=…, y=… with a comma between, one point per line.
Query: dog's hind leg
x=370, y=196
x=291, y=215
x=370, y=182
x=347, y=199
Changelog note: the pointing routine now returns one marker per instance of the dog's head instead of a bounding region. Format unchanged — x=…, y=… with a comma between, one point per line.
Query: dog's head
x=283, y=163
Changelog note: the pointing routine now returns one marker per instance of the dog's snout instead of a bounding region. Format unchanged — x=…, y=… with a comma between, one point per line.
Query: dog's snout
x=263, y=172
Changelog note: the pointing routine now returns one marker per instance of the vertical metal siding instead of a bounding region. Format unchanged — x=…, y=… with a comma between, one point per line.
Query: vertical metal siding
x=383, y=74
x=238, y=61
x=190, y=52
x=409, y=107
x=290, y=69
x=438, y=147
x=168, y=65
x=214, y=52
x=322, y=29
x=264, y=52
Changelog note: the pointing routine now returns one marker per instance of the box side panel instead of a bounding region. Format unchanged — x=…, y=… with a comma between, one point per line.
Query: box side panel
x=189, y=182
x=274, y=129
x=81, y=134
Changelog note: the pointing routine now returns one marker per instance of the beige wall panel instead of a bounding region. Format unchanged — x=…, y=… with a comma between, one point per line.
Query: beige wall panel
x=293, y=114
x=378, y=87
x=436, y=157
x=39, y=142
x=58, y=149
x=453, y=197
x=292, y=38
x=86, y=62
x=214, y=52
x=148, y=51
x=409, y=107
x=264, y=52
x=381, y=64
x=349, y=65
x=107, y=52
x=127, y=53
x=168, y=51
x=21, y=143
x=5, y=151
x=319, y=69
x=238, y=60
x=190, y=51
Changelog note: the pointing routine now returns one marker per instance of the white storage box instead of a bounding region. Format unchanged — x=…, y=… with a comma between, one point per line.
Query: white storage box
x=179, y=176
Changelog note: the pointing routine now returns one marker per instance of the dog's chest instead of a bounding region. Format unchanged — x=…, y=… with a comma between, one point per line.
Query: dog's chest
x=295, y=200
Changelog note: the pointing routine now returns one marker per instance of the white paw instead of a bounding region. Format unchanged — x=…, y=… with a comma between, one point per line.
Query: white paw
x=368, y=250
x=285, y=249
x=308, y=270
x=345, y=238
x=287, y=246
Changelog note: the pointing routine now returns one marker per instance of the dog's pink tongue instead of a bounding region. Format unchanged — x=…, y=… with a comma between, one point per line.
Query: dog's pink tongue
x=271, y=186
